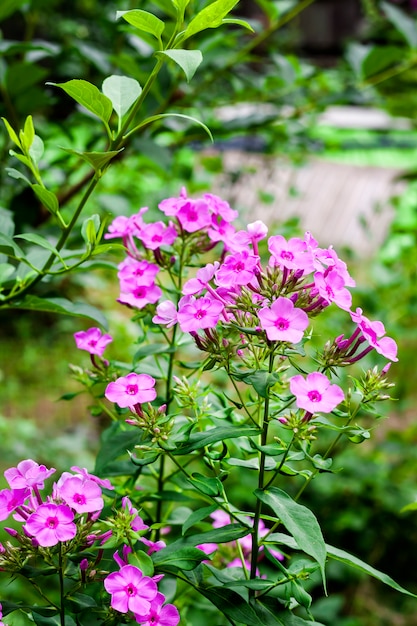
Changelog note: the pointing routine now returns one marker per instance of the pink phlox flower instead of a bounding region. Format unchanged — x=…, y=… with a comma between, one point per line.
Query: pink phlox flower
x=282, y=321
x=85, y=474
x=137, y=524
x=199, y=314
x=374, y=334
x=221, y=231
x=11, y=499
x=292, y=254
x=132, y=389
x=331, y=287
x=315, y=393
x=157, y=234
x=130, y=590
x=237, y=269
x=50, y=524
x=92, y=340
x=82, y=495
x=121, y=226
x=219, y=207
x=194, y=215
x=28, y=473
x=171, y=206
x=153, y=546
x=204, y=275
x=220, y=518
x=208, y=548
x=326, y=259
x=132, y=273
x=160, y=614
x=166, y=313
x=140, y=296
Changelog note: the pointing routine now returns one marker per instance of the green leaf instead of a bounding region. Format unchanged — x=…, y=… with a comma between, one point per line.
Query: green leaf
x=404, y=24
x=13, y=173
x=144, y=21
x=261, y=381
x=210, y=17
x=200, y=440
x=27, y=134
x=299, y=521
x=36, y=149
x=22, y=158
x=188, y=60
x=122, y=91
x=59, y=305
x=117, y=440
x=38, y=240
x=197, y=516
x=7, y=7
x=160, y=116
x=88, y=96
x=238, y=22
x=233, y=606
x=7, y=245
x=6, y=270
x=48, y=199
x=41, y=620
x=13, y=136
x=97, y=160
x=147, y=350
x=90, y=228
x=353, y=561
x=183, y=558
x=143, y=561
x=210, y=486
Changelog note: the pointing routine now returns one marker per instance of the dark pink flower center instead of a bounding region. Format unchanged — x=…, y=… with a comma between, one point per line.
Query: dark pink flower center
x=157, y=238
x=131, y=590
x=239, y=267
x=285, y=254
x=281, y=323
x=200, y=314
x=314, y=395
x=92, y=343
x=79, y=498
x=52, y=522
x=132, y=390
x=192, y=215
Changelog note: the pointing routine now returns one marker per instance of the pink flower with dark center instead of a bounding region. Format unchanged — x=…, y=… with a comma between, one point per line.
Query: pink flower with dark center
x=160, y=614
x=84, y=496
x=121, y=226
x=11, y=499
x=28, y=473
x=194, y=215
x=51, y=523
x=315, y=393
x=155, y=235
x=171, y=206
x=282, y=321
x=136, y=523
x=203, y=277
x=130, y=590
x=166, y=313
x=331, y=287
x=292, y=254
x=92, y=340
x=140, y=296
x=85, y=474
x=221, y=231
x=237, y=269
x=374, y=334
x=199, y=314
x=219, y=207
x=132, y=389
x=133, y=273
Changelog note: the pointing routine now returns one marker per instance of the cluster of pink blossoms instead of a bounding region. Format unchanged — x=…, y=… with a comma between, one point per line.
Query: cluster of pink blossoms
x=275, y=300
x=133, y=592
x=137, y=275
x=53, y=519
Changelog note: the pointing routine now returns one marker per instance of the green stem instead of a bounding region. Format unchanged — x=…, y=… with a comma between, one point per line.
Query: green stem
x=61, y=587
x=261, y=483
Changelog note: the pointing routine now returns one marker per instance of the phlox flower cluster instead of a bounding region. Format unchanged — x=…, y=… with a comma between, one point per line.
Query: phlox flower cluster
x=133, y=592
x=272, y=300
x=149, y=245
x=69, y=511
